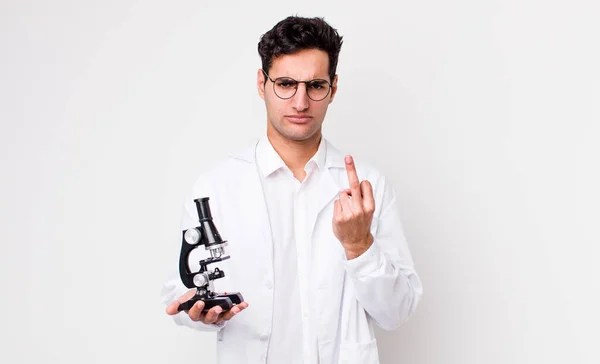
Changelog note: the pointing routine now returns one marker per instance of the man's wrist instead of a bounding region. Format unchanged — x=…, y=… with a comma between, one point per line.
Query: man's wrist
x=357, y=249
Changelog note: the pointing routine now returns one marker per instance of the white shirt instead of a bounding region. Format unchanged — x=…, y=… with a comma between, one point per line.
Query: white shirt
x=340, y=301
x=293, y=339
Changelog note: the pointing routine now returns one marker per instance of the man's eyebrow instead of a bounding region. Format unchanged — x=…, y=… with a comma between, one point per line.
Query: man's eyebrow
x=313, y=77
x=324, y=78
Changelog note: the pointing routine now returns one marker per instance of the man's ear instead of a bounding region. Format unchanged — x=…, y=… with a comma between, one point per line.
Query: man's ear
x=260, y=83
x=333, y=88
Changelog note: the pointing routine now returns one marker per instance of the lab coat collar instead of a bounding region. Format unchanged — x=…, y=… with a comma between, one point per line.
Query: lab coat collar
x=333, y=158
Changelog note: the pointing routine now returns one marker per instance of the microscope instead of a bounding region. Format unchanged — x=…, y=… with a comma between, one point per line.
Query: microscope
x=205, y=234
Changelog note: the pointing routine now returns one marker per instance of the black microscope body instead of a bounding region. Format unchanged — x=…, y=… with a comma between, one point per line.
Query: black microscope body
x=205, y=234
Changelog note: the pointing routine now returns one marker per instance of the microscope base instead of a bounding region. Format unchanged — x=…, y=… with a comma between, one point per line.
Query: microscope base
x=225, y=300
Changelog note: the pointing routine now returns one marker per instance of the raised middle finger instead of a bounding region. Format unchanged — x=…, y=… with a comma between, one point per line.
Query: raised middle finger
x=353, y=181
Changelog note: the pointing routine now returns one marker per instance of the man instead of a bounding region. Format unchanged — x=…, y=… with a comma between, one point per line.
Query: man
x=315, y=239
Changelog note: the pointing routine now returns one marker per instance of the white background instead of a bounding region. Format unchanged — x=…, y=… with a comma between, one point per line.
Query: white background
x=483, y=113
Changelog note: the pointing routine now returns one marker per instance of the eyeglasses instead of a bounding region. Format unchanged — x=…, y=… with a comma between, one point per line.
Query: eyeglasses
x=286, y=87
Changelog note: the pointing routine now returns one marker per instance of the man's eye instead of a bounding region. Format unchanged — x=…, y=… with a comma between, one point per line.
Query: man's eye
x=317, y=85
x=286, y=84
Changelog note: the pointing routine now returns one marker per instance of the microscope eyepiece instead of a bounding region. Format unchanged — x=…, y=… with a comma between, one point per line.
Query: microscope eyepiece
x=210, y=231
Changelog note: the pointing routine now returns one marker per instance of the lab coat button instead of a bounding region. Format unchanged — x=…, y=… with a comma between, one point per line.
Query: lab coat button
x=269, y=284
x=264, y=337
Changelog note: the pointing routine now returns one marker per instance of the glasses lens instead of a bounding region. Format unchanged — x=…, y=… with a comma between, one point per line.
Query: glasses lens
x=317, y=89
x=285, y=87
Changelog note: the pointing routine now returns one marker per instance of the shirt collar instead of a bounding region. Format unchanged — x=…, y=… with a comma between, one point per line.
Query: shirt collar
x=269, y=161
x=320, y=155
x=267, y=158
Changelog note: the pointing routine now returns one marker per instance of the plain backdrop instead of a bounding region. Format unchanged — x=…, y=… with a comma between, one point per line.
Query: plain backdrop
x=484, y=114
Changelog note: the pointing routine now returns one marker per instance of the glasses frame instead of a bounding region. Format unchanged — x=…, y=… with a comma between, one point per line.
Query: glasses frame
x=298, y=82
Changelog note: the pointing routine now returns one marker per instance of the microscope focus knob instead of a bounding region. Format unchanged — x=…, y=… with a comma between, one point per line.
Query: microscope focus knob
x=200, y=280
x=192, y=236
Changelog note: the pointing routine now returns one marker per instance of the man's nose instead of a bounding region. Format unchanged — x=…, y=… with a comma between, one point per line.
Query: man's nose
x=301, y=100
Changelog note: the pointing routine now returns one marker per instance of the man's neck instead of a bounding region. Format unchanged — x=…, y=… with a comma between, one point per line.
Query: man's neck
x=295, y=154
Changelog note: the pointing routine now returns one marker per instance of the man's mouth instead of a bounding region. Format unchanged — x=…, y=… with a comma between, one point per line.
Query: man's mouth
x=298, y=119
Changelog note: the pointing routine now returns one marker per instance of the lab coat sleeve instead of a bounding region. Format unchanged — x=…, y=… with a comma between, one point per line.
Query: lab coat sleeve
x=385, y=281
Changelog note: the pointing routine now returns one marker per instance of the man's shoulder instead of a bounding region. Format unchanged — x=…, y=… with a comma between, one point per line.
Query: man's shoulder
x=228, y=166
x=381, y=184
x=364, y=168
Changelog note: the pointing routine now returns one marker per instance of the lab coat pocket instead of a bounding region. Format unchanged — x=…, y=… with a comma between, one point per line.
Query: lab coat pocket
x=358, y=352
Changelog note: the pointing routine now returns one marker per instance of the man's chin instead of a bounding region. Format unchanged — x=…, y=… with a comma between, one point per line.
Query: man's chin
x=301, y=136
x=298, y=133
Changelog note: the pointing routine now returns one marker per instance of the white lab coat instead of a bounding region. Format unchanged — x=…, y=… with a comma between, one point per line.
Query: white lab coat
x=380, y=287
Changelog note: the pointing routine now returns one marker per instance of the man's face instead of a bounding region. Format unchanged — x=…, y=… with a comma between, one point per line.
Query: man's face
x=298, y=118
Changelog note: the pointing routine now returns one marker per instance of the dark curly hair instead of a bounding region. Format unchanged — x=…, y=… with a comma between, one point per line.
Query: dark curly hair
x=294, y=34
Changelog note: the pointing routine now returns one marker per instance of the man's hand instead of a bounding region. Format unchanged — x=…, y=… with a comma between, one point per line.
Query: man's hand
x=214, y=316
x=353, y=213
